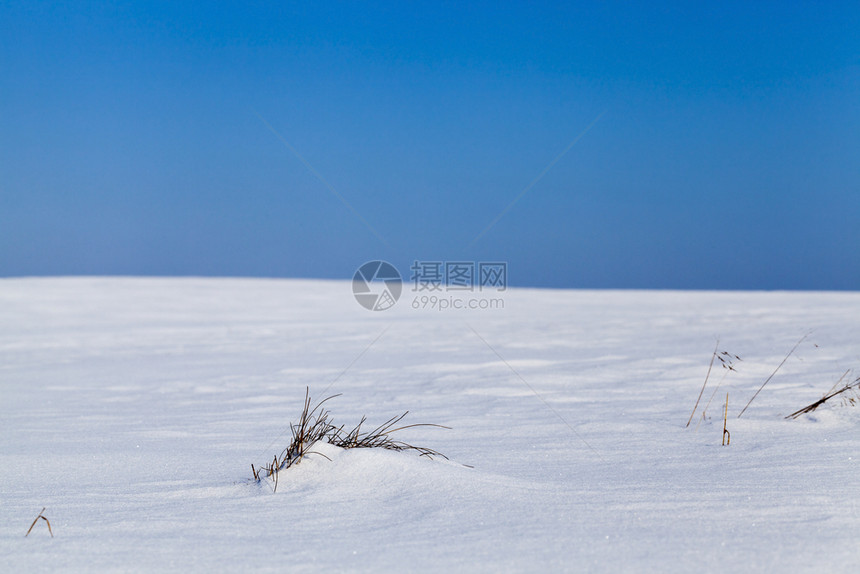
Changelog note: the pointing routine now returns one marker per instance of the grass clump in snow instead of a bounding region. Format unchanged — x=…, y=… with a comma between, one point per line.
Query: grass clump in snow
x=849, y=393
x=315, y=425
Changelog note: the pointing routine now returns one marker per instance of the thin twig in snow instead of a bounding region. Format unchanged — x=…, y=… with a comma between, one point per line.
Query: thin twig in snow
x=699, y=398
x=35, y=520
x=796, y=345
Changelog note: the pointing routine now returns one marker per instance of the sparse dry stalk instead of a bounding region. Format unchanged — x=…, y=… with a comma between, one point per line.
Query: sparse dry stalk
x=846, y=392
x=35, y=520
x=796, y=345
x=705, y=384
x=727, y=361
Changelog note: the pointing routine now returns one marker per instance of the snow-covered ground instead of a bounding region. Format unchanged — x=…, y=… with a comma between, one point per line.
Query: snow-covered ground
x=133, y=409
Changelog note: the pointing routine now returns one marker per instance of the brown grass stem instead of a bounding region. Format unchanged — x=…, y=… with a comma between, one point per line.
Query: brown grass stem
x=35, y=520
x=853, y=386
x=796, y=345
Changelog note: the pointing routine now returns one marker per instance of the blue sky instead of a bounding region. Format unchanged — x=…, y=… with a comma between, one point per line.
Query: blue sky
x=717, y=144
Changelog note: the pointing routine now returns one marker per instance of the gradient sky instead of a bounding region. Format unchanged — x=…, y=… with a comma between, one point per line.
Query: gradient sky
x=718, y=145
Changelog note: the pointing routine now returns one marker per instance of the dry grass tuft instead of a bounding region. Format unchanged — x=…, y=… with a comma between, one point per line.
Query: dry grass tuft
x=849, y=395
x=315, y=425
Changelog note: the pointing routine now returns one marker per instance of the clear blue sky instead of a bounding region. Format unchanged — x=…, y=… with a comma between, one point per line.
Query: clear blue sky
x=148, y=138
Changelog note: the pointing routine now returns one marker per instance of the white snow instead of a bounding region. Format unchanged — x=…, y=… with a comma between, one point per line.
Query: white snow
x=133, y=409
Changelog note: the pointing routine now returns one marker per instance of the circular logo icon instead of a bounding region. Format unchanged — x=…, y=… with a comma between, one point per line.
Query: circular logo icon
x=377, y=285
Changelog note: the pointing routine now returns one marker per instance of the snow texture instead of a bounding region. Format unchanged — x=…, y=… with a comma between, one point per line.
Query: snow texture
x=133, y=409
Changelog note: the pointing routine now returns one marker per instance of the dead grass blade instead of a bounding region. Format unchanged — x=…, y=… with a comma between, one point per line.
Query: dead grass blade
x=705, y=384
x=727, y=362
x=796, y=345
x=852, y=388
x=380, y=437
x=35, y=520
x=727, y=436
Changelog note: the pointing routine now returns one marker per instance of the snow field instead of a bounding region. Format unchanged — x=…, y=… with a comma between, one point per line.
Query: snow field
x=133, y=408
